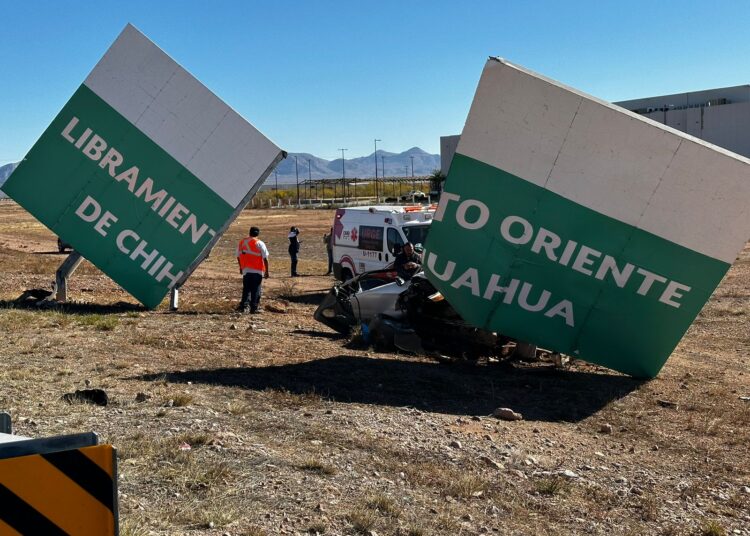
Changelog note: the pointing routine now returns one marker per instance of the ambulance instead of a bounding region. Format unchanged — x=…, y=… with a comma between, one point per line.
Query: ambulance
x=369, y=238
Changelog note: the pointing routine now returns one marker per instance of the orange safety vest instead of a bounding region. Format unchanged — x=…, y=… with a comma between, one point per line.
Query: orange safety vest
x=250, y=255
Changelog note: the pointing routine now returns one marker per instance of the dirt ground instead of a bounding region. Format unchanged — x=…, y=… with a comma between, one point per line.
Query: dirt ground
x=273, y=424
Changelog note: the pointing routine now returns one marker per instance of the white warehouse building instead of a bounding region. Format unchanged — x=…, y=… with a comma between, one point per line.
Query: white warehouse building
x=719, y=116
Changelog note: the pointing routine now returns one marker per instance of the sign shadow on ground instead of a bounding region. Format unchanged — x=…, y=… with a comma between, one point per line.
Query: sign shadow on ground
x=540, y=394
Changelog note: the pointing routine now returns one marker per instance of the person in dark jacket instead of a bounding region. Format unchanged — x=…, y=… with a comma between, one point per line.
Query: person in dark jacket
x=328, y=241
x=294, y=243
x=408, y=262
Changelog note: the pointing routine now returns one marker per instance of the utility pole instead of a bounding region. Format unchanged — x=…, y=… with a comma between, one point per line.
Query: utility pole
x=296, y=173
x=376, y=169
x=413, y=184
x=309, y=178
x=277, y=184
x=343, y=174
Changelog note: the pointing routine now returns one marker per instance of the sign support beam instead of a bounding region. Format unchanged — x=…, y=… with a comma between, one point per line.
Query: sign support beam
x=63, y=273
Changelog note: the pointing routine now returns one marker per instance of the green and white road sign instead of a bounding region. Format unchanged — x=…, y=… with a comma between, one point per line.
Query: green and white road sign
x=571, y=223
x=143, y=169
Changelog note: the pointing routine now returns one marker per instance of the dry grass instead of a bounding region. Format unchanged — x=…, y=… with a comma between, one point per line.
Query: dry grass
x=253, y=530
x=288, y=289
x=237, y=408
x=712, y=528
x=208, y=515
x=317, y=527
x=133, y=527
x=415, y=530
x=362, y=520
x=465, y=486
x=315, y=465
x=550, y=486
x=179, y=400
x=291, y=431
x=98, y=322
x=384, y=504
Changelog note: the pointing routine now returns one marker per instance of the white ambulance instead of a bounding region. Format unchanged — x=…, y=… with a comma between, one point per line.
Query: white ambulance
x=369, y=238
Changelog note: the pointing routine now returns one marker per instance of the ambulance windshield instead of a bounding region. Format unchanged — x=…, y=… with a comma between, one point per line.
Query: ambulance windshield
x=416, y=234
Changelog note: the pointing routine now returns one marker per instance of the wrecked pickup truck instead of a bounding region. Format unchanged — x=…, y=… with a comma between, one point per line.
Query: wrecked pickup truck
x=409, y=315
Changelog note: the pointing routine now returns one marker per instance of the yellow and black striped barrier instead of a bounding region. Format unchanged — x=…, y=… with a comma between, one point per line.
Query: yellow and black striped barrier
x=66, y=492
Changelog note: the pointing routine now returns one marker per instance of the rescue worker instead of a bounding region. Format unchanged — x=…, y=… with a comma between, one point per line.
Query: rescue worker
x=408, y=262
x=294, y=244
x=252, y=256
x=328, y=241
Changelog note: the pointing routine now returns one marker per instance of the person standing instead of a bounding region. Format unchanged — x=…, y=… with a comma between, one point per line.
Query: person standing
x=328, y=241
x=294, y=244
x=252, y=256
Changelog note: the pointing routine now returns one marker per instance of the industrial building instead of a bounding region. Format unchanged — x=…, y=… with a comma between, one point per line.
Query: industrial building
x=719, y=116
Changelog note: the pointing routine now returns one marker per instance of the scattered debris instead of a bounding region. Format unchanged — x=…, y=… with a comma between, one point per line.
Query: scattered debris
x=34, y=296
x=668, y=404
x=560, y=360
x=492, y=463
x=605, y=428
x=142, y=397
x=455, y=444
x=276, y=307
x=507, y=414
x=569, y=474
x=88, y=396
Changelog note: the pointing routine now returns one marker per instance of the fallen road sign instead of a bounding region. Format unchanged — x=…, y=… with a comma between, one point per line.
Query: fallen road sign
x=581, y=227
x=143, y=169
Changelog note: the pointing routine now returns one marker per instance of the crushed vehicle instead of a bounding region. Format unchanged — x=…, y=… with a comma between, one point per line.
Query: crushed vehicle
x=410, y=315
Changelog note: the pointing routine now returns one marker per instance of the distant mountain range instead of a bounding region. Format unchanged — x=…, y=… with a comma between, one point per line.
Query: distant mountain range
x=396, y=165
x=5, y=172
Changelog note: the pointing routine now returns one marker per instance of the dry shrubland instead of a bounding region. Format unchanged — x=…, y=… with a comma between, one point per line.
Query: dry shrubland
x=270, y=424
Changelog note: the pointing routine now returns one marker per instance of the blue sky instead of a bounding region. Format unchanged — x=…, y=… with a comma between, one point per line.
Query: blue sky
x=319, y=75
